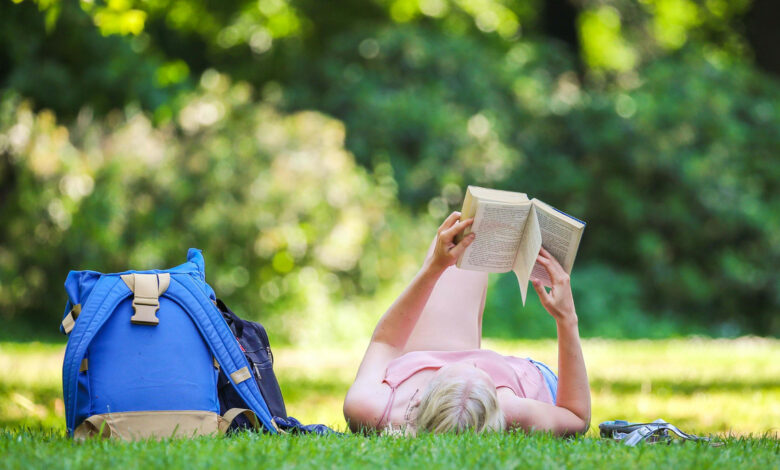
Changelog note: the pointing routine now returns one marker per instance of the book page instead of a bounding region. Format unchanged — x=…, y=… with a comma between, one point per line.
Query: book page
x=496, y=195
x=499, y=228
x=561, y=236
x=475, y=194
x=530, y=243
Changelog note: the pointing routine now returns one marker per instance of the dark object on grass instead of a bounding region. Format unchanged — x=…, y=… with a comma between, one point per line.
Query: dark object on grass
x=255, y=345
x=632, y=434
x=291, y=425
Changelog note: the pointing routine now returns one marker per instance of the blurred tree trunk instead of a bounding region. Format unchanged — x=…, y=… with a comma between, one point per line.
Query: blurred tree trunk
x=7, y=177
x=559, y=20
x=763, y=33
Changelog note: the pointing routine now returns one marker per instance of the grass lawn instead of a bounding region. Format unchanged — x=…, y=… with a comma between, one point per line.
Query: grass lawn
x=505, y=450
x=727, y=387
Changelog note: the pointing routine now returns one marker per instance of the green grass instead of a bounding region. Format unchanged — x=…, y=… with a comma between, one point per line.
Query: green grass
x=504, y=450
x=729, y=388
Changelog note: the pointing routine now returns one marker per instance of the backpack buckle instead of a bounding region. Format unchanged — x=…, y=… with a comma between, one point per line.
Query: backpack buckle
x=146, y=289
x=70, y=319
x=145, y=311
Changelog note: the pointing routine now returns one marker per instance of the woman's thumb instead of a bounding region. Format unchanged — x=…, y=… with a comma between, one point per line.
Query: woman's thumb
x=544, y=296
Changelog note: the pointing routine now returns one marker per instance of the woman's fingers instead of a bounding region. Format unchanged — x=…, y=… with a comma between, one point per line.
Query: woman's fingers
x=543, y=252
x=554, y=270
x=449, y=221
x=553, y=267
x=546, y=264
x=456, y=228
x=544, y=296
x=461, y=247
x=446, y=251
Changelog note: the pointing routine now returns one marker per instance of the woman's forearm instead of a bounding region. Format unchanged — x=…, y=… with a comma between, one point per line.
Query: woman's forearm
x=397, y=324
x=573, y=388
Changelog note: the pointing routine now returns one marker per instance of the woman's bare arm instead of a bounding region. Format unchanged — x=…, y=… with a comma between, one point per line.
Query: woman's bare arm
x=364, y=401
x=396, y=325
x=571, y=413
x=573, y=388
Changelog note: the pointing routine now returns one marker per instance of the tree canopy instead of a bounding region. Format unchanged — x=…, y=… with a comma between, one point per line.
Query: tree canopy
x=310, y=148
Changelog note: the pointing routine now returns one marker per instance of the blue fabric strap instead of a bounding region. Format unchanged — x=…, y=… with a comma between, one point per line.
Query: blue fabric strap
x=105, y=297
x=224, y=346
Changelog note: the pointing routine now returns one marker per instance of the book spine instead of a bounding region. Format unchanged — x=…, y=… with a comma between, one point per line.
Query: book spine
x=569, y=216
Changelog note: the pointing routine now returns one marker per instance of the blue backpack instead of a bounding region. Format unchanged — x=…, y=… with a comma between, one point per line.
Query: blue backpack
x=144, y=355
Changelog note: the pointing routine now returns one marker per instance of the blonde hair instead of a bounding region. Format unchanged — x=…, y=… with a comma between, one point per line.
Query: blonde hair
x=451, y=404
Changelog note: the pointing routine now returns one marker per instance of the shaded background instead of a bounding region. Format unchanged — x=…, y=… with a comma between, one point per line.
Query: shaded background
x=311, y=148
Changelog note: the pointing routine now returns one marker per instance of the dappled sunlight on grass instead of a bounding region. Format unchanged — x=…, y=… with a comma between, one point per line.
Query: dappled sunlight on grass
x=701, y=385
x=30, y=386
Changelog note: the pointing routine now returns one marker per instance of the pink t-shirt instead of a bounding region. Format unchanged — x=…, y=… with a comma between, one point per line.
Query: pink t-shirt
x=517, y=374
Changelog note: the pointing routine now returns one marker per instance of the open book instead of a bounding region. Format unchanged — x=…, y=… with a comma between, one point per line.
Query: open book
x=510, y=229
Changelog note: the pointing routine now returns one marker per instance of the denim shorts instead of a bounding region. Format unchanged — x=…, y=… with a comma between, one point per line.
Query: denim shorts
x=549, y=377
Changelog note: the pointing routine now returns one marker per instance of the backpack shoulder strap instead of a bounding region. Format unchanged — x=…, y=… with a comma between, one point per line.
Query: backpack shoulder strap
x=102, y=301
x=194, y=298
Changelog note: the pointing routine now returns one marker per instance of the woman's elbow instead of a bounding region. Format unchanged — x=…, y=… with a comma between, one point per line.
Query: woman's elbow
x=580, y=428
x=575, y=427
x=585, y=426
x=359, y=412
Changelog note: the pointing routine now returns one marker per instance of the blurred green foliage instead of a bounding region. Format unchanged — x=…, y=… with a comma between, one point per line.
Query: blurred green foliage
x=132, y=129
x=288, y=222
x=674, y=171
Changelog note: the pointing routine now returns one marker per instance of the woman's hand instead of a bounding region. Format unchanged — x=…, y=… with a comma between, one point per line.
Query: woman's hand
x=558, y=302
x=446, y=251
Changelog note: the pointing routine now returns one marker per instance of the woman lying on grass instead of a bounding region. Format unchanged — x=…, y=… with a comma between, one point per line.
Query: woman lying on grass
x=424, y=369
